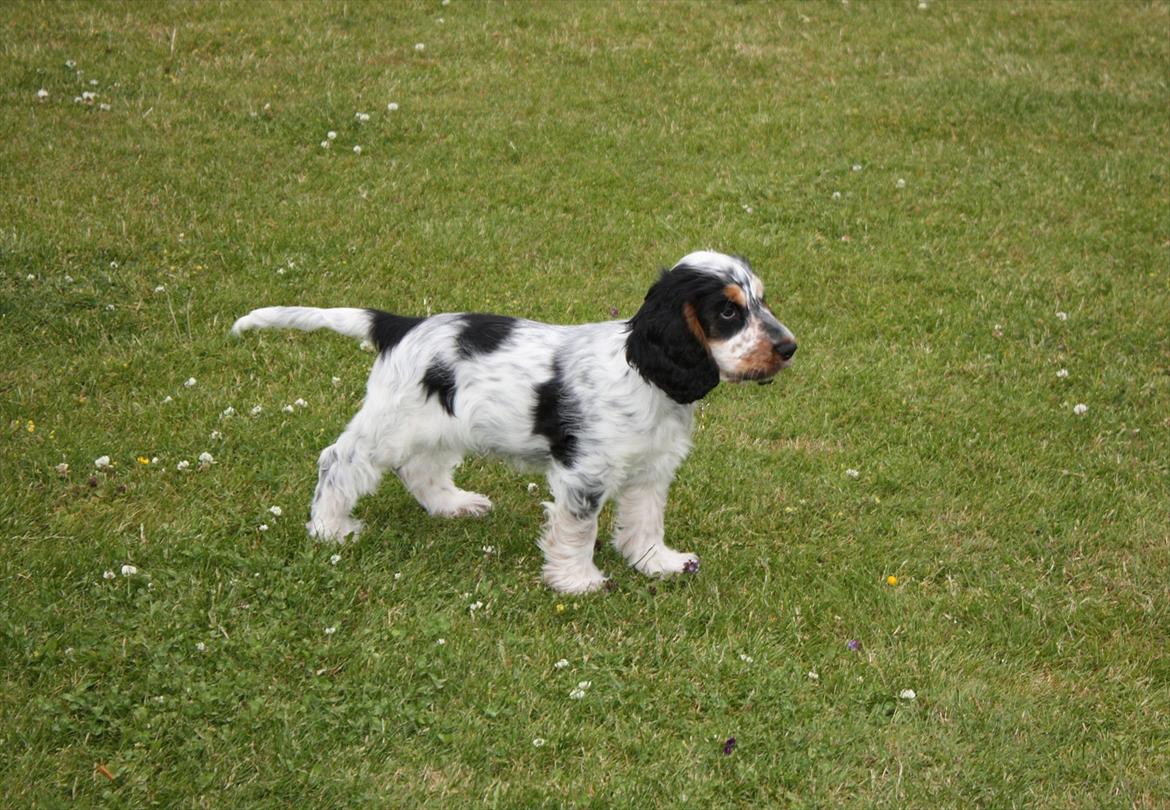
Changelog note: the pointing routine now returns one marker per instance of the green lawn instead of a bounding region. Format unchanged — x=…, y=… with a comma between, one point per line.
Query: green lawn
x=950, y=204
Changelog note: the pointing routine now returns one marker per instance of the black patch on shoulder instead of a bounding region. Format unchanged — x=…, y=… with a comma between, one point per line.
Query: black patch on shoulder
x=387, y=330
x=439, y=380
x=557, y=417
x=483, y=334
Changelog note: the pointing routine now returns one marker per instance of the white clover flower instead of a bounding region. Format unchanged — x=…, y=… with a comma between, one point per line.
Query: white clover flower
x=190, y=383
x=1062, y=316
x=397, y=575
x=109, y=307
x=93, y=82
x=228, y=411
x=562, y=663
x=474, y=606
x=336, y=381
x=538, y=742
x=215, y=436
x=42, y=94
x=922, y=6
x=584, y=684
x=489, y=550
x=441, y=642
x=747, y=208
x=357, y=150
x=129, y=570
x=325, y=144
x=577, y=694
x=1062, y=374
x=330, y=631
x=445, y=3
x=1080, y=409
x=335, y=559
x=160, y=288
x=154, y=460
x=331, y=135
x=418, y=46
x=69, y=63
x=856, y=167
x=206, y=459
x=813, y=676
x=31, y=277
x=108, y=574
x=747, y=659
x=263, y=527
x=392, y=106
x=276, y=511
x=168, y=398
x=104, y=107
x=102, y=462
x=280, y=271
x=908, y=694
x=78, y=99
x=62, y=469
x=836, y=195
x=182, y=465
x=88, y=97
x=901, y=183
x=256, y=410
x=851, y=473
x=532, y=487
x=287, y=409
x=68, y=279
x=200, y=646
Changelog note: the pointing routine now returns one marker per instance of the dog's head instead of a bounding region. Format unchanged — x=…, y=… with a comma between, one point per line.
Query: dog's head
x=703, y=321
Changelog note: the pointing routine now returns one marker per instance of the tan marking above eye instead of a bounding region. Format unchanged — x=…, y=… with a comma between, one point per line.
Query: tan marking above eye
x=735, y=293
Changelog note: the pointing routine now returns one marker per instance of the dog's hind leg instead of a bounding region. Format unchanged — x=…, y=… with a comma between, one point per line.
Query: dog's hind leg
x=428, y=479
x=345, y=473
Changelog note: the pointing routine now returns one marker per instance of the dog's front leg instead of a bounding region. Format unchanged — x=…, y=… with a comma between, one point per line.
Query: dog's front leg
x=639, y=535
x=570, y=533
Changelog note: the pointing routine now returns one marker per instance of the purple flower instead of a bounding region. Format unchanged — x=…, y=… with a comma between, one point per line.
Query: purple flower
x=729, y=746
x=613, y=312
x=691, y=567
x=853, y=644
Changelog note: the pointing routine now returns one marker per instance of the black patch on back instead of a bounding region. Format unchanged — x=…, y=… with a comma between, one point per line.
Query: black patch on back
x=387, y=330
x=483, y=334
x=439, y=380
x=557, y=417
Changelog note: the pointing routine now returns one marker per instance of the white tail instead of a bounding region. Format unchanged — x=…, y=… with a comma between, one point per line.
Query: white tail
x=350, y=321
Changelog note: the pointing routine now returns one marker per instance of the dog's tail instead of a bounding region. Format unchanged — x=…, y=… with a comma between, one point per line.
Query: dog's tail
x=382, y=329
x=349, y=321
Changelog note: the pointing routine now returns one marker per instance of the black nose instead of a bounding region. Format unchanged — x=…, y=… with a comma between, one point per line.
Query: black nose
x=786, y=349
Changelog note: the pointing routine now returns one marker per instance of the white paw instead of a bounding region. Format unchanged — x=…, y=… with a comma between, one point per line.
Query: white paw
x=661, y=561
x=574, y=578
x=466, y=504
x=334, y=532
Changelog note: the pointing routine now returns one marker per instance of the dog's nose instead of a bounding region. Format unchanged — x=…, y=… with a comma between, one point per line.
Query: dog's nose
x=786, y=348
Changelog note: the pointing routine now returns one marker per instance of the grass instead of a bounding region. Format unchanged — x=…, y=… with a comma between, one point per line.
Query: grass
x=545, y=161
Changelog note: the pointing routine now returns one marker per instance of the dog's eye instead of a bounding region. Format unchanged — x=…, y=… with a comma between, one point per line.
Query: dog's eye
x=729, y=311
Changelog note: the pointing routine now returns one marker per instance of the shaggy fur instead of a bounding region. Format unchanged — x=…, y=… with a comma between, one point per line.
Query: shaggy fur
x=604, y=408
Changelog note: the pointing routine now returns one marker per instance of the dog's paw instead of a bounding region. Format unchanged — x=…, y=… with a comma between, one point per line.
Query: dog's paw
x=662, y=561
x=465, y=504
x=574, y=579
x=334, y=532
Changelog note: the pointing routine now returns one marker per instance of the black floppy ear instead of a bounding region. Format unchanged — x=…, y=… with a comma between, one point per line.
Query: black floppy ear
x=664, y=344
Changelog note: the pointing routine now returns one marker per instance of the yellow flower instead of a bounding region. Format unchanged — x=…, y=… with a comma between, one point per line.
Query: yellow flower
x=32, y=426
x=560, y=608
x=891, y=580
x=143, y=460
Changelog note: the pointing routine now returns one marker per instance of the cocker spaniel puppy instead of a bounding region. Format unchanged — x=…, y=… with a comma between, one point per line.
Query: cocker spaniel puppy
x=604, y=408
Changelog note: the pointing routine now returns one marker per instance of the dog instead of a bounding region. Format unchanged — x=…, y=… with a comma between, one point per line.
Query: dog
x=604, y=408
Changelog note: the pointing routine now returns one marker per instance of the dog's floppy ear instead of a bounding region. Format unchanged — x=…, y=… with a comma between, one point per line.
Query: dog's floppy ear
x=665, y=342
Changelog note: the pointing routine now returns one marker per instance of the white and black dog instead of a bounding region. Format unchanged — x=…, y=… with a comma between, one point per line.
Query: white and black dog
x=604, y=408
